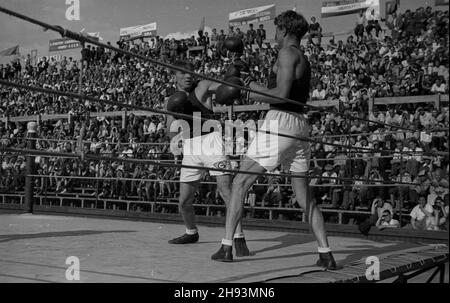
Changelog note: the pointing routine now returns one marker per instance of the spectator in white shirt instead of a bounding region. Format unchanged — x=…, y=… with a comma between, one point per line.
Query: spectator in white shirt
x=319, y=93
x=418, y=213
x=438, y=87
x=392, y=118
x=376, y=116
x=152, y=127
x=387, y=221
x=425, y=117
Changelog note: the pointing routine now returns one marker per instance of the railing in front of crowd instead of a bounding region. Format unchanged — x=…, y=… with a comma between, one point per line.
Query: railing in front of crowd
x=90, y=199
x=437, y=100
x=151, y=195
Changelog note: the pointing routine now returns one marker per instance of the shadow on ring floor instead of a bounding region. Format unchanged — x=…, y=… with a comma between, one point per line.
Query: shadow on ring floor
x=35, y=249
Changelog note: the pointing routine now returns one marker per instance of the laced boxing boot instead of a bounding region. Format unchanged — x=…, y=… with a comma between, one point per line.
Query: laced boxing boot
x=327, y=261
x=224, y=254
x=185, y=239
x=241, y=247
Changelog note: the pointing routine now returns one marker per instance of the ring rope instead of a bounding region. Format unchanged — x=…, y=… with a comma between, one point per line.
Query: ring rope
x=434, y=130
x=240, y=160
x=87, y=39
x=202, y=182
x=29, y=152
x=80, y=96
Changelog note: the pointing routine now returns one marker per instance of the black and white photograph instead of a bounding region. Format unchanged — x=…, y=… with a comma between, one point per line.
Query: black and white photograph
x=223, y=150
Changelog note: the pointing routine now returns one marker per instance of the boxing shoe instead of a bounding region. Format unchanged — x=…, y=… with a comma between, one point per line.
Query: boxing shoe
x=224, y=254
x=327, y=261
x=185, y=239
x=241, y=247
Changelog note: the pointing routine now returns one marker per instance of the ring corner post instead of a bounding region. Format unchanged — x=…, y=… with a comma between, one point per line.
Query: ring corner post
x=30, y=167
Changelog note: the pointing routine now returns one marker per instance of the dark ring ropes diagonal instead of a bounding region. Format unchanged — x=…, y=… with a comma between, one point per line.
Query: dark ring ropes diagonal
x=66, y=33
x=163, y=112
x=29, y=152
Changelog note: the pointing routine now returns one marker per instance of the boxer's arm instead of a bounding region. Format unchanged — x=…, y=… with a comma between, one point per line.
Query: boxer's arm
x=285, y=77
x=203, y=88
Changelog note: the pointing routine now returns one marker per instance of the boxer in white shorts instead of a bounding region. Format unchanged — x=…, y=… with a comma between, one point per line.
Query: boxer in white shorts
x=270, y=150
x=201, y=150
x=267, y=151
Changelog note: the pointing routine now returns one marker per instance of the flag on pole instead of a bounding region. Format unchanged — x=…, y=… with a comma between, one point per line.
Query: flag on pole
x=392, y=6
x=202, y=25
x=10, y=51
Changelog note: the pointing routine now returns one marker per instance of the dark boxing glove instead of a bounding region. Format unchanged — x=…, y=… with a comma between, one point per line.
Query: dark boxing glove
x=226, y=95
x=234, y=45
x=177, y=102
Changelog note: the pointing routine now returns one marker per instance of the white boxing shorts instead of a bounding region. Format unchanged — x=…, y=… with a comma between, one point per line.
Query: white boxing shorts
x=270, y=150
x=206, y=151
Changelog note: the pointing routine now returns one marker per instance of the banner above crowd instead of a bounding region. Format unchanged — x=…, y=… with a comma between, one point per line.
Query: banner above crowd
x=63, y=44
x=252, y=15
x=441, y=2
x=139, y=31
x=346, y=7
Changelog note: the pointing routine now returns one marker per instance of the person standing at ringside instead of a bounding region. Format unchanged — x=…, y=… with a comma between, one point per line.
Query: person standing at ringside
x=267, y=151
x=205, y=150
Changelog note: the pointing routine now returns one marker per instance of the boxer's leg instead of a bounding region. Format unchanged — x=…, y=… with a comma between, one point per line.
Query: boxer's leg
x=241, y=184
x=187, y=191
x=224, y=188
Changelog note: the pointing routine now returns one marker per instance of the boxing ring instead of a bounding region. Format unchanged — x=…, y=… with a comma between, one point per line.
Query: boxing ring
x=36, y=247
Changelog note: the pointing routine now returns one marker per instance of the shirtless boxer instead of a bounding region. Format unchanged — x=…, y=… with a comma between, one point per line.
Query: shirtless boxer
x=293, y=81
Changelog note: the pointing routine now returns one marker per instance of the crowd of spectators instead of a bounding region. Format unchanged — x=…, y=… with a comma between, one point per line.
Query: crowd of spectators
x=409, y=58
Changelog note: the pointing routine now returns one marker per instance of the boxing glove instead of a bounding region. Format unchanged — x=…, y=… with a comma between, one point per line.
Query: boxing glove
x=234, y=44
x=177, y=102
x=226, y=95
